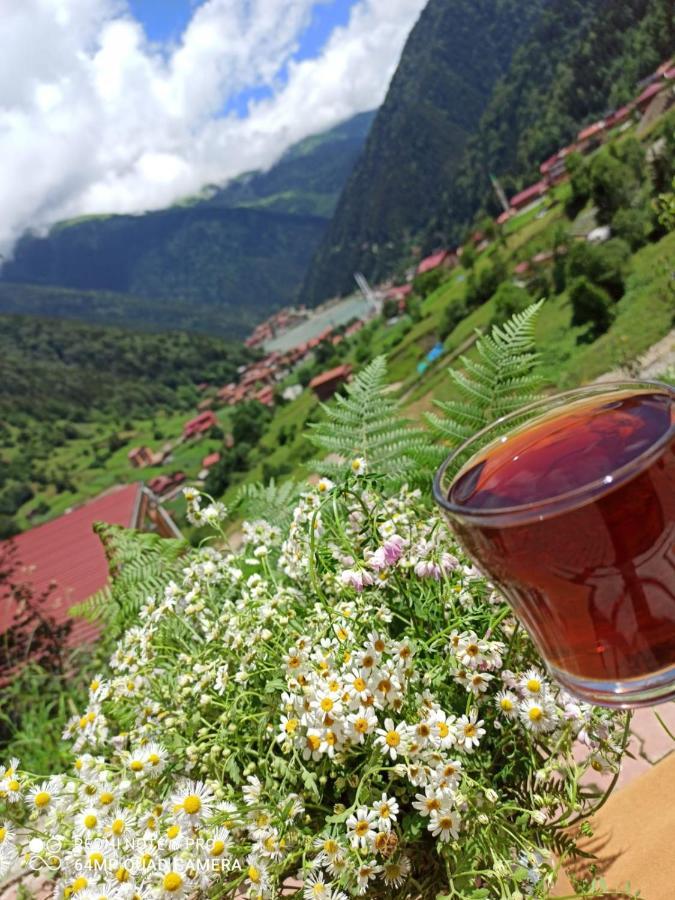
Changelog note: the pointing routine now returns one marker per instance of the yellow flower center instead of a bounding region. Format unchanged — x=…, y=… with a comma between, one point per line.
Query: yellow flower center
x=136, y=765
x=368, y=662
x=218, y=848
x=96, y=859
x=327, y=704
x=122, y=875
x=3, y=834
x=533, y=685
x=446, y=823
x=146, y=859
x=535, y=714
x=330, y=846
x=172, y=881
x=42, y=799
x=393, y=738
x=385, y=812
x=362, y=828
x=79, y=884
x=90, y=821
x=294, y=662
x=379, y=645
x=106, y=798
x=470, y=730
x=291, y=726
x=90, y=789
x=172, y=831
x=472, y=650
x=359, y=684
x=443, y=729
x=313, y=742
x=361, y=725
x=423, y=730
x=433, y=804
x=95, y=685
x=192, y=804
x=14, y=785
x=154, y=759
x=506, y=704
x=117, y=827
x=253, y=874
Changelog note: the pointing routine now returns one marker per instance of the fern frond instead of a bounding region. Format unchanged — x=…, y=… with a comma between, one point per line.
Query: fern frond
x=367, y=423
x=273, y=502
x=142, y=564
x=501, y=380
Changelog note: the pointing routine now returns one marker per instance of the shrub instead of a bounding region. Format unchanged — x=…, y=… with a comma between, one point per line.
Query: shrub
x=454, y=313
x=632, y=226
x=509, y=299
x=427, y=283
x=591, y=305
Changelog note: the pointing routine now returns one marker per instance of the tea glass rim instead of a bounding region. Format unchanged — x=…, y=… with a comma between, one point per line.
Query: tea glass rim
x=558, y=502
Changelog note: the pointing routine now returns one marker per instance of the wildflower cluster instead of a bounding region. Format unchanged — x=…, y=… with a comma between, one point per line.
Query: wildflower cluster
x=343, y=709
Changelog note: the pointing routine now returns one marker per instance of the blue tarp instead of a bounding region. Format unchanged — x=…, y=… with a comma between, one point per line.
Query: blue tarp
x=435, y=352
x=421, y=367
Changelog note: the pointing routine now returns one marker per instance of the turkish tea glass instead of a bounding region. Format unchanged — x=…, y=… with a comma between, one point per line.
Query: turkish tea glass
x=586, y=563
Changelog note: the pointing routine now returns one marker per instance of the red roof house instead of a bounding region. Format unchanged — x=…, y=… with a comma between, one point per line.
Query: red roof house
x=325, y=385
x=529, y=195
x=646, y=97
x=200, y=424
x=591, y=131
x=210, y=460
x=140, y=457
x=163, y=484
x=68, y=557
x=432, y=262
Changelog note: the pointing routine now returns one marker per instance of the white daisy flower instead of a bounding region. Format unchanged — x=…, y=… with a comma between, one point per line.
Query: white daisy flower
x=361, y=723
x=192, y=801
x=386, y=809
x=358, y=466
x=469, y=731
x=252, y=790
x=42, y=796
x=507, y=703
x=89, y=822
x=392, y=739
x=316, y=888
x=360, y=827
x=444, y=824
x=532, y=683
x=537, y=714
x=365, y=874
x=395, y=873
x=324, y=485
x=156, y=758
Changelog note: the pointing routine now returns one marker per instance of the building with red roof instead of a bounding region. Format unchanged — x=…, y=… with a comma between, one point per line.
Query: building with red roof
x=162, y=485
x=590, y=132
x=65, y=558
x=399, y=292
x=210, y=460
x=646, y=97
x=529, y=195
x=139, y=457
x=200, y=424
x=429, y=263
x=325, y=385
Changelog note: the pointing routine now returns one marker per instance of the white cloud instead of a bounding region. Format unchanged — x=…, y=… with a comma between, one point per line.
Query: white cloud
x=95, y=118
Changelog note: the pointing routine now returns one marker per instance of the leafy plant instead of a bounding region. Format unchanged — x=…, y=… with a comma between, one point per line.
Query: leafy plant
x=366, y=424
x=502, y=379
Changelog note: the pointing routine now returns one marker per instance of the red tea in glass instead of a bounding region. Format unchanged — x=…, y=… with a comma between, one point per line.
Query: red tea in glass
x=572, y=515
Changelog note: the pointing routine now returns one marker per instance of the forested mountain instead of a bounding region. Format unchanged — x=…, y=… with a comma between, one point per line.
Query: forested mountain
x=449, y=66
x=51, y=369
x=219, y=262
x=481, y=87
x=584, y=59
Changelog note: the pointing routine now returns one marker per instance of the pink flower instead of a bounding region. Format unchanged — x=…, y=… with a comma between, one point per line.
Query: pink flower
x=388, y=554
x=356, y=578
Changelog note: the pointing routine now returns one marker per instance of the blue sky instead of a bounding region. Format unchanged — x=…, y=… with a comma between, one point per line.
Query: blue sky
x=164, y=21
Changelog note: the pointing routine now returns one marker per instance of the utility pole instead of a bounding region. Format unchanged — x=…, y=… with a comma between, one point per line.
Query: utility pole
x=499, y=191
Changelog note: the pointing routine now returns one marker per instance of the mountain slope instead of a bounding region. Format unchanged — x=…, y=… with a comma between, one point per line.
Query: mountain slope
x=450, y=63
x=424, y=173
x=240, y=251
x=584, y=58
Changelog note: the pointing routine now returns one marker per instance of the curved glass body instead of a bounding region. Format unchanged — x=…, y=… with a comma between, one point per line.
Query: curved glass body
x=568, y=506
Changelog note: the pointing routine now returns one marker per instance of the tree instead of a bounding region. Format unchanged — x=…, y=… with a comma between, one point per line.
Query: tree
x=453, y=314
x=612, y=185
x=605, y=265
x=468, y=257
x=591, y=305
x=580, y=185
x=509, y=299
x=249, y=422
x=631, y=225
x=428, y=282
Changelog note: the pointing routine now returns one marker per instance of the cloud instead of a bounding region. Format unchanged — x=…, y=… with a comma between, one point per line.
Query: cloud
x=96, y=118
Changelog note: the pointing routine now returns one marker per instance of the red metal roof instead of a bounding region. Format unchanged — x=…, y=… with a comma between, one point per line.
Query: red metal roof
x=431, y=262
x=650, y=92
x=66, y=552
x=210, y=460
x=338, y=372
x=529, y=193
x=591, y=130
